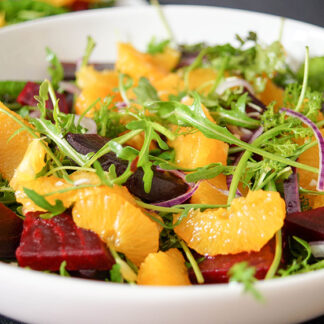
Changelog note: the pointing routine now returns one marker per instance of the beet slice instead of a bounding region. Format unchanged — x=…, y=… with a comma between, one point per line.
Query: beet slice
x=308, y=225
x=31, y=89
x=10, y=231
x=165, y=185
x=214, y=269
x=46, y=243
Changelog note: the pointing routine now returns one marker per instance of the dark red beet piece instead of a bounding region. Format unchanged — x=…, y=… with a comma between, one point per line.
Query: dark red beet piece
x=46, y=243
x=165, y=185
x=308, y=225
x=31, y=89
x=10, y=231
x=214, y=269
x=79, y=6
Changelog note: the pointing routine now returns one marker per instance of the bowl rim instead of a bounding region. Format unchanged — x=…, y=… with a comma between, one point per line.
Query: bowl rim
x=160, y=291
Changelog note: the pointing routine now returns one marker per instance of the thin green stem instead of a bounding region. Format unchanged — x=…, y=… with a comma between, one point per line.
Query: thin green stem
x=277, y=258
x=305, y=80
x=166, y=25
x=193, y=262
x=106, y=149
x=208, y=127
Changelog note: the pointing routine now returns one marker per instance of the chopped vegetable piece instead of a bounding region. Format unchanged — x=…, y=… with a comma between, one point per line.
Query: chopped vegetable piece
x=246, y=226
x=165, y=185
x=215, y=268
x=308, y=225
x=31, y=89
x=46, y=243
x=164, y=269
x=10, y=231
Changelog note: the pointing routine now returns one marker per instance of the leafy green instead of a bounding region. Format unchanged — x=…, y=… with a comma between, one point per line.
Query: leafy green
x=145, y=92
x=244, y=274
x=151, y=132
x=40, y=201
x=316, y=73
x=22, y=10
x=108, y=120
x=155, y=46
x=115, y=274
x=9, y=90
x=55, y=68
x=91, y=44
x=63, y=271
x=237, y=115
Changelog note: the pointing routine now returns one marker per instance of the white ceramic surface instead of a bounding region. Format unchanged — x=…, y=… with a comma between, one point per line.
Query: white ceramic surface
x=40, y=298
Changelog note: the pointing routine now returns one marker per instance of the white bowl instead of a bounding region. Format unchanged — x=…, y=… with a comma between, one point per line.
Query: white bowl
x=35, y=297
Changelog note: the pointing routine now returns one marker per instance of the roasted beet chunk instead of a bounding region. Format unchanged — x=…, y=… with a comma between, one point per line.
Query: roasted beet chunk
x=215, y=269
x=308, y=225
x=10, y=231
x=165, y=185
x=31, y=89
x=46, y=243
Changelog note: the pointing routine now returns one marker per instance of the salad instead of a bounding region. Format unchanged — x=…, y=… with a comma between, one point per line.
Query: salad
x=16, y=11
x=184, y=164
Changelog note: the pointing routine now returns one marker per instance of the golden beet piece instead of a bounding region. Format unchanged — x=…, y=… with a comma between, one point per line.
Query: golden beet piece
x=164, y=269
x=246, y=226
x=11, y=152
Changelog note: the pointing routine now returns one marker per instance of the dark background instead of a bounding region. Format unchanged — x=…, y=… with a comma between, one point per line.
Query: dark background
x=311, y=11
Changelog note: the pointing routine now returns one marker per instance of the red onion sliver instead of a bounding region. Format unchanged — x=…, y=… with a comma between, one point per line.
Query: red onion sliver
x=70, y=87
x=291, y=192
x=87, y=123
x=320, y=140
x=233, y=82
x=180, y=199
x=317, y=248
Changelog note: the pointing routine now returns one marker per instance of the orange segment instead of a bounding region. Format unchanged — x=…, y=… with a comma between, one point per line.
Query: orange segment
x=110, y=213
x=211, y=192
x=136, y=64
x=196, y=150
x=42, y=186
x=90, y=95
x=170, y=84
x=272, y=93
x=12, y=152
x=32, y=163
x=89, y=77
x=202, y=79
x=168, y=59
x=245, y=227
x=164, y=269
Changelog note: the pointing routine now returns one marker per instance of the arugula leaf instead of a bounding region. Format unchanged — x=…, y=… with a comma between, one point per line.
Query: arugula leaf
x=9, y=90
x=91, y=44
x=40, y=201
x=55, y=69
x=155, y=46
x=315, y=74
x=145, y=92
x=208, y=172
x=244, y=274
x=115, y=274
x=237, y=115
x=63, y=271
x=108, y=120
